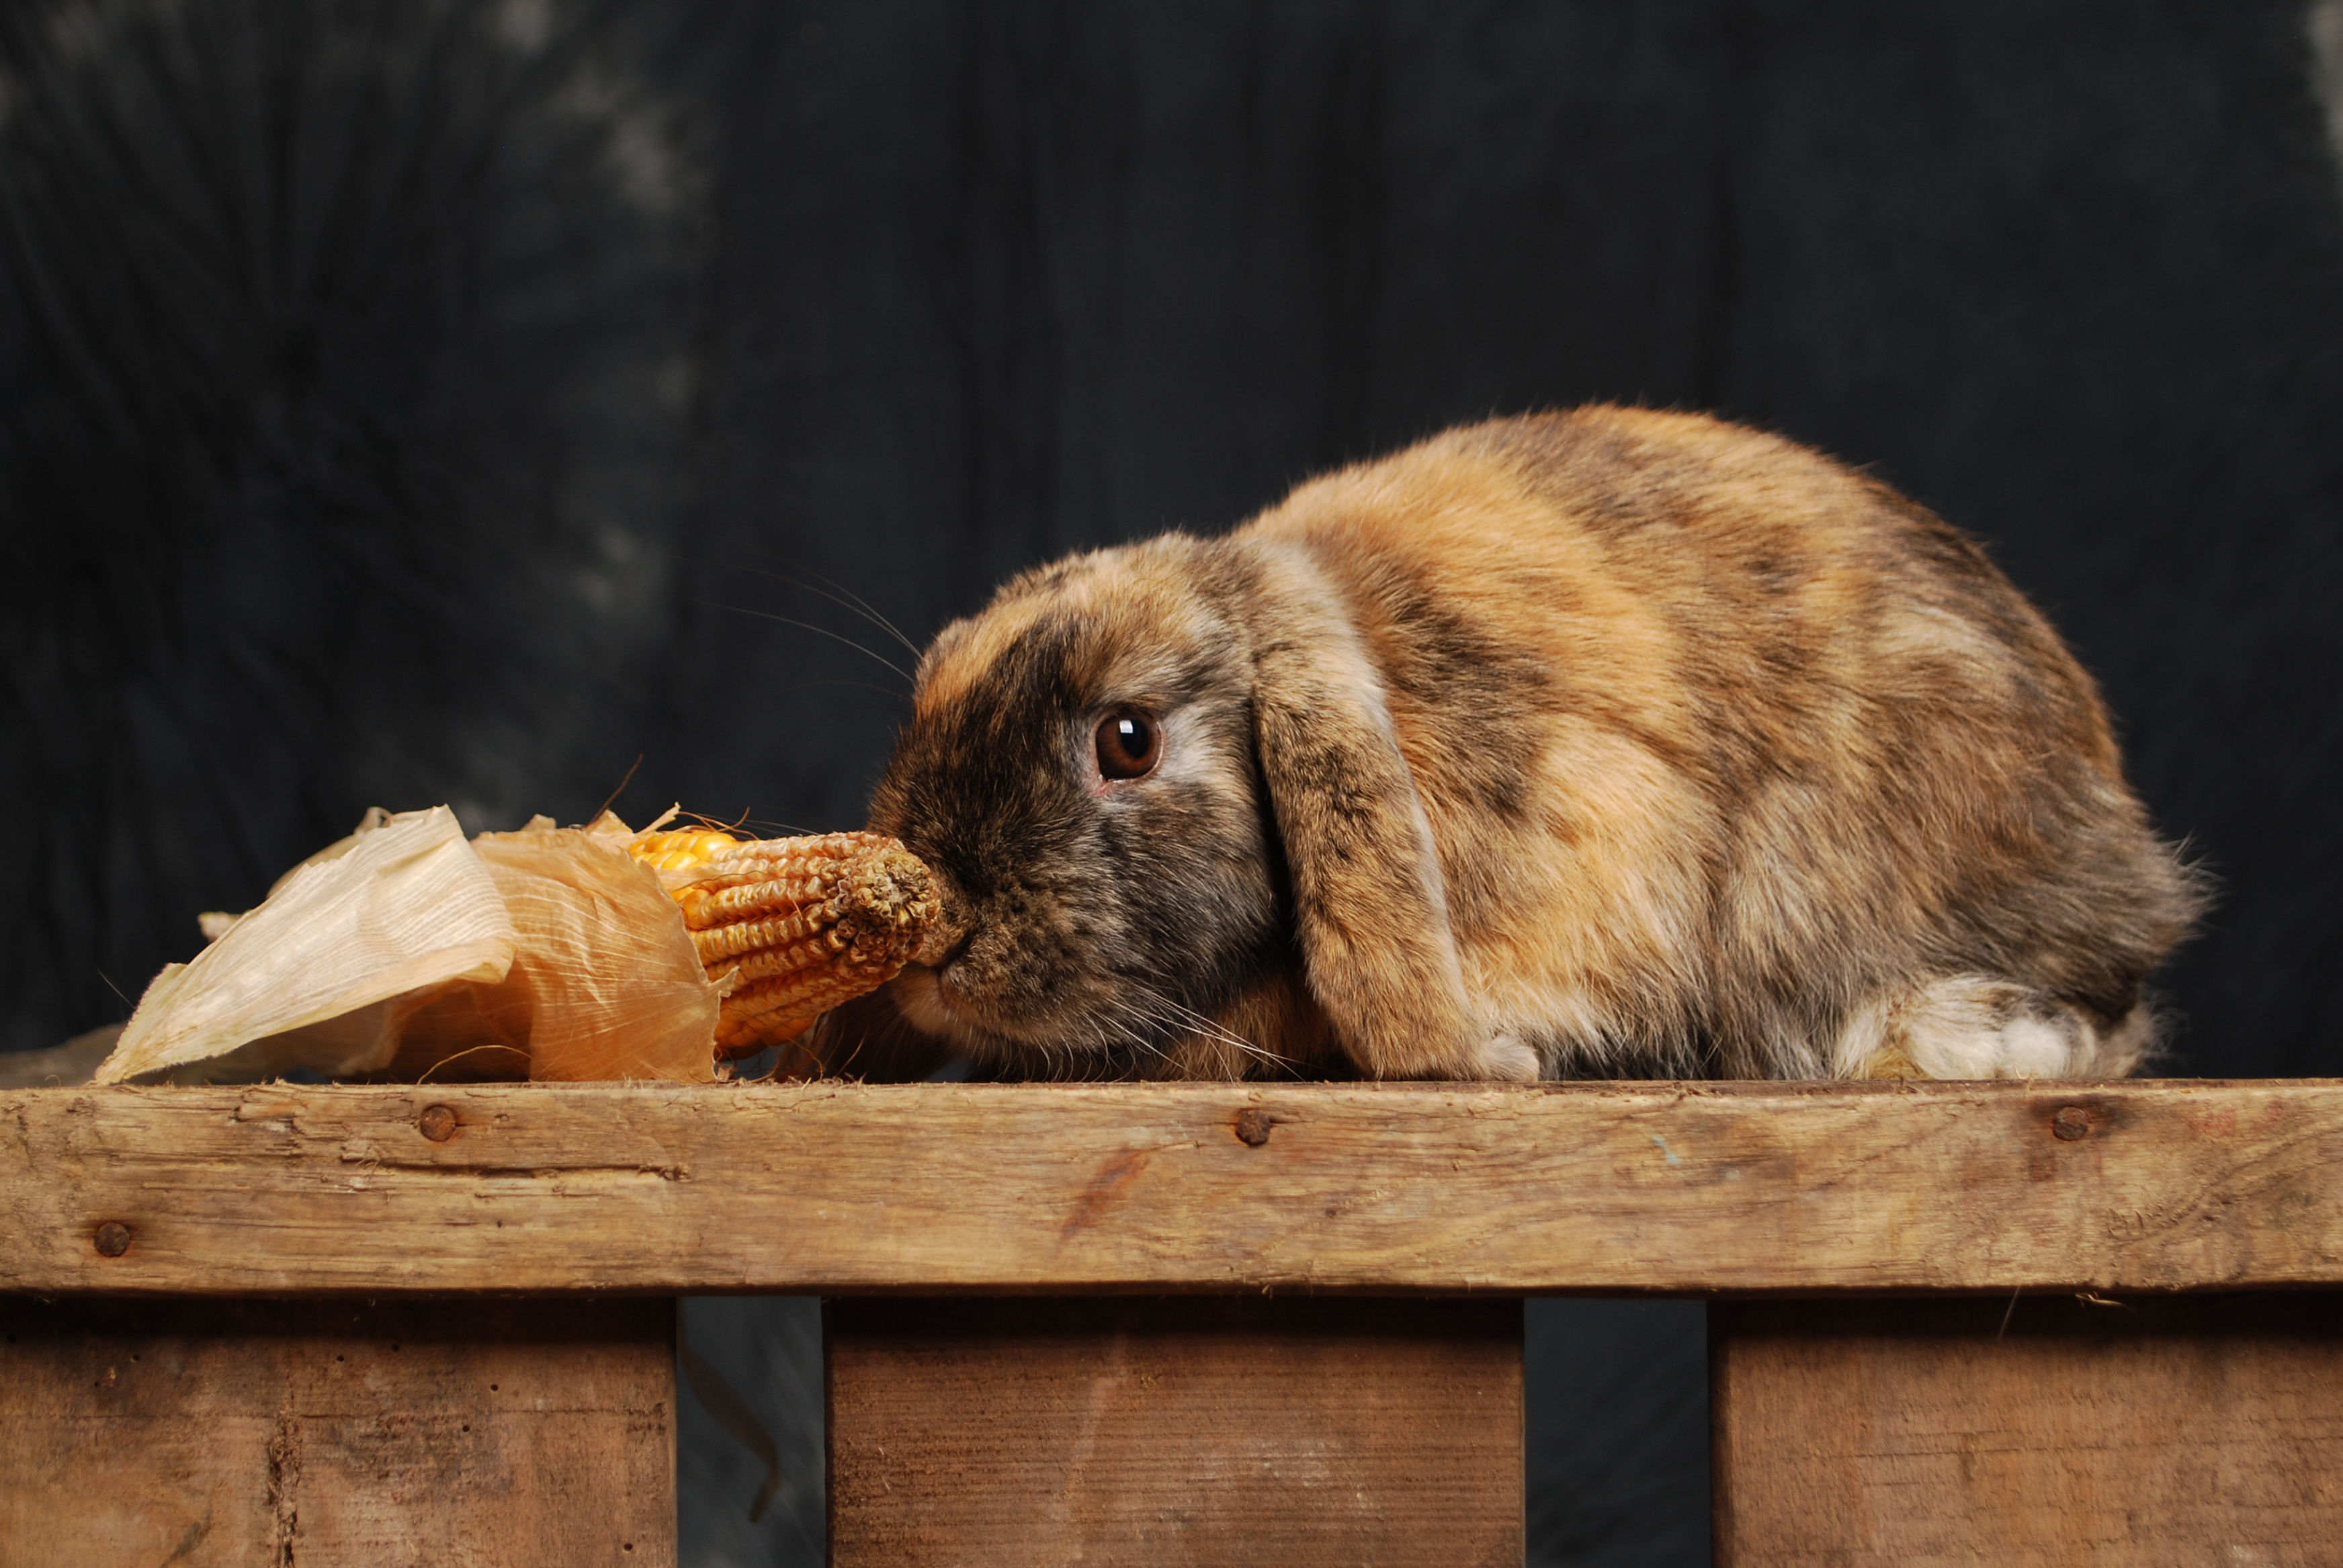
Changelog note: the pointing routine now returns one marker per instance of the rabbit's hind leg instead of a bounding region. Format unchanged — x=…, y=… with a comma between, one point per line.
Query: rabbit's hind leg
x=1979, y=1026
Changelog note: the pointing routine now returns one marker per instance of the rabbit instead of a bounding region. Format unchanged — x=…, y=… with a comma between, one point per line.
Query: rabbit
x=1607, y=742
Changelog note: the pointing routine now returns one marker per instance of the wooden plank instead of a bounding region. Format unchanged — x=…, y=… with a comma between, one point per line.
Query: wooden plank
x=2175, y=1430
x=425, y=1432
x=1171, y=1431
x=829, y=1188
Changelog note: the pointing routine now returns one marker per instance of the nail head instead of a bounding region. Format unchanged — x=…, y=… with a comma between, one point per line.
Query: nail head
x=113, y=1239
x=437, y=1124
x=2071, y=1122
x=1253, y=1127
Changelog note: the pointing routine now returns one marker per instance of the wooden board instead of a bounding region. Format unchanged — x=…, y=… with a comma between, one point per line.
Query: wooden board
x=1912, y=1434
x=1174, y=1430
x=831, y=1188
x=436, y=1433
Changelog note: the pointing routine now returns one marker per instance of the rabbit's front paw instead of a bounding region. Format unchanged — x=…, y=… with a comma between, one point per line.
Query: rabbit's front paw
x=1506, y=1059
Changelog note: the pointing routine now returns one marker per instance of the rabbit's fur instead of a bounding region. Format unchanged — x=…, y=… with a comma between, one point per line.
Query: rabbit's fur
x=1610, y=741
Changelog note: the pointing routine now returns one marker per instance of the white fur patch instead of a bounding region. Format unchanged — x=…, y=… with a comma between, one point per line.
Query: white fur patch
x=1505, y=1059
x=1974, y=1027
x=1948, y=1043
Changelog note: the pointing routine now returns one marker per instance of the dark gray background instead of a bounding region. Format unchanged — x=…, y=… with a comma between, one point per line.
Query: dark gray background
x=405, y=402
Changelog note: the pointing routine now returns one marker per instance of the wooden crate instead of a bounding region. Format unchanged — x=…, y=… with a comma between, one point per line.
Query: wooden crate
x=1210, y=1373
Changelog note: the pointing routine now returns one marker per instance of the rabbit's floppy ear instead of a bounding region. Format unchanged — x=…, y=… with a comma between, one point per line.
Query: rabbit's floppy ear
x=1369, y=907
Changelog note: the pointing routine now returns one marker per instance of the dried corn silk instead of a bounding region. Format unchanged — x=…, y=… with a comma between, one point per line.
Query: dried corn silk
x=605, y=984
x=324, y=972
x=791, y=927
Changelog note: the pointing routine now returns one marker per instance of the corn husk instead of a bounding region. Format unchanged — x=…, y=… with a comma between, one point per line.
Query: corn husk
x=605, y=983
x=325, y=974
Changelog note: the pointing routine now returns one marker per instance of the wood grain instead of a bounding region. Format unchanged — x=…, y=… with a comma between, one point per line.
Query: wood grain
x=833, y=1189
x=2190, y=1430
x=1174, y=1430
x=424, y=1433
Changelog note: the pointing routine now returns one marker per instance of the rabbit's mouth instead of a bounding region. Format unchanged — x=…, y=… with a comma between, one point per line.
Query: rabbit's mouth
x=918, y=992
x=942, y=1010
x=927, y=998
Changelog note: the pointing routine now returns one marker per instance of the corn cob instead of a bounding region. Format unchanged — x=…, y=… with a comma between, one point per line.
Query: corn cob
x=792, y=927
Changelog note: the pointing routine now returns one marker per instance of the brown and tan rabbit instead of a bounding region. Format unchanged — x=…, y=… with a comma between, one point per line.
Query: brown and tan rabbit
x=1610, y=741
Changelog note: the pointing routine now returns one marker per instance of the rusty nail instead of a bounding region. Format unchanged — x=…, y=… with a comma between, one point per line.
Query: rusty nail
x=437, y=1124
x=1253, y=1126
x=113, y=1239
x=2070, y=1123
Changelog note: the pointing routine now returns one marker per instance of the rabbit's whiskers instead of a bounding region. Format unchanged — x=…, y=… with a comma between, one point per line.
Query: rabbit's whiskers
x=1182, y=1019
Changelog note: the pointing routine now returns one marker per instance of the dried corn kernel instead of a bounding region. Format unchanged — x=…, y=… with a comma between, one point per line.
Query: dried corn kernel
x=680, y=848
x=793, y=927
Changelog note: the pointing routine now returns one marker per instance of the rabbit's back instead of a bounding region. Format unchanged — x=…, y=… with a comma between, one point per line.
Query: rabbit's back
x=1740, y=762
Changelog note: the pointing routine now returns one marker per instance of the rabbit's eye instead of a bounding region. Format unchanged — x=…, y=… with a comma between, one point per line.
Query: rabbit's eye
x=1130, y=743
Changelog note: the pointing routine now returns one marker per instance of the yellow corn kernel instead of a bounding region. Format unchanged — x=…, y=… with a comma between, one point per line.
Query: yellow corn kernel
x=793, y=927
x=680, y=848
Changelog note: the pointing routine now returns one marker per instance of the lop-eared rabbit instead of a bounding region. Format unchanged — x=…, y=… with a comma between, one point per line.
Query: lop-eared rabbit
x=1606, y=742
